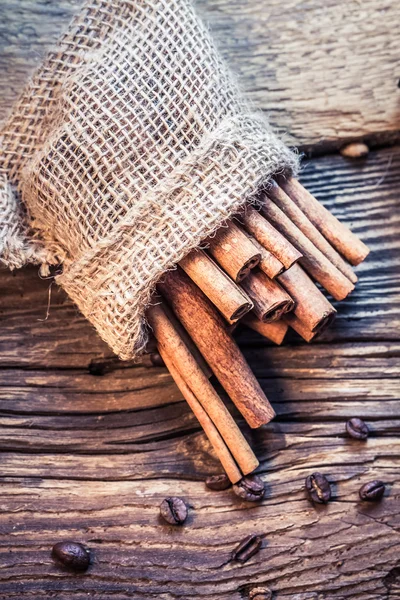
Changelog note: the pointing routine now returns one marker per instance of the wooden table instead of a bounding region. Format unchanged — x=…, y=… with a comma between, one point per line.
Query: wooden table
x=90, y=446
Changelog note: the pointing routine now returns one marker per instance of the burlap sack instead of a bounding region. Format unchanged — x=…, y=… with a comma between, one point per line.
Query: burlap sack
x=130, y=146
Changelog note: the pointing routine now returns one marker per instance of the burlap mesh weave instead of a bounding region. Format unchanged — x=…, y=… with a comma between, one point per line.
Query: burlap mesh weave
x=130, y=146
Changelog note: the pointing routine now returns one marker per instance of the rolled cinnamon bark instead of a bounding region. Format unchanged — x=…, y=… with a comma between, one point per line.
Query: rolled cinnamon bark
x=171, y=343
x=302, y=329
x=269, y=264
x=338, y=234
x=230, y=300
x=208, y=331
x=275, y=331
x=311, y=306
x=221, y=449
x=269, y=299
x=285, y=203
x=314, y=262
x=268, y=236
x=233, y=251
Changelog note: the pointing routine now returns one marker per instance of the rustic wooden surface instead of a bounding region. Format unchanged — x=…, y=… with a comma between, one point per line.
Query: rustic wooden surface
x=326, y=71
x=90, y=446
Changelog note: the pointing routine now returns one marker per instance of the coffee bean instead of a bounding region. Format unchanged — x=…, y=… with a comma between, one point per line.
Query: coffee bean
x=357, y=429
x=260, y=593
x=72, y=555
x=250, y=488
x=156, y=360
x=372, y=491
x=318, y=488
x=174, y=510
x=218, y=482
x=247, y=548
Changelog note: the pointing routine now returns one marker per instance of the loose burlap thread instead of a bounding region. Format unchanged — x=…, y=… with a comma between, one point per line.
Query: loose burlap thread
x=129, y=147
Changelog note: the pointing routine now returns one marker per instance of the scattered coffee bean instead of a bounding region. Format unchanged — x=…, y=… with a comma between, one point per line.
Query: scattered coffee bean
x=357, y=429
x=356, y=150
x=318, y=488
x=247, y=548
x=156, y=360
x=174, y=510
x=218, y=482
x=250, y=488
x=72, y=555
x=260, y=593
x=372, y=491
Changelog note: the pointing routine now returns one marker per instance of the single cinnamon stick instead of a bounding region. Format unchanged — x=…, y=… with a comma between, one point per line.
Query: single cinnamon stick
x=311, y=306
x=187, y=340
x=171, y=342
x=230, y=300
x=269, y=237
x=234, y=251
x=269, y=299
x=269, y=264
x=285, y=203
x=221, y=450
x=302, y=329
x=338, y=234
x=208, y=331
x=275, y=331
x=316, y=263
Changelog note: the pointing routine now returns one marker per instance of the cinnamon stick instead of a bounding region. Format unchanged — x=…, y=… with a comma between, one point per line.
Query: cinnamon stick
x=268, y=236
x=269, y=299
x=275, y=331
x=230, y=300
x=269, y=264
x=338, y=234
x=234, y=251
x=301, y=328
x=208, y=331
x=316, y=263
x=311, y=306
x=285, y=203
x=221, y=450
x=170, y=342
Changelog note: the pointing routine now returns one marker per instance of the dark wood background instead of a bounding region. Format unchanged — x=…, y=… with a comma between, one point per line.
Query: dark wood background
x=90, y=446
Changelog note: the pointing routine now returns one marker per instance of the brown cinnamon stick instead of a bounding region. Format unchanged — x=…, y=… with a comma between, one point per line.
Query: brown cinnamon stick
x=316, y=263
x=221, y=449
x=338, y=234
x=171, y=342
x=302, y=329
x=208, y=331
x=275, y=331
x=269, y=237
x=269, y=264
x=311, y=306
x=269, y=299
x=230, y=300
x=285, y=203
x=234, y=251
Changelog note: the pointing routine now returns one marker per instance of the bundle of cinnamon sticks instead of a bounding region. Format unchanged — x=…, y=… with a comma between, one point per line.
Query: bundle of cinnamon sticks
x=260, y=268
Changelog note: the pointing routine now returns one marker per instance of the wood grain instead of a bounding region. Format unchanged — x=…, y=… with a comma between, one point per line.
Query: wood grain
x=90, y=446
x=326, y=71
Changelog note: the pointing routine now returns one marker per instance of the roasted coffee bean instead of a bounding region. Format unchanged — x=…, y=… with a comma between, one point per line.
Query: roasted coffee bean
x=72, y=555
x=357, y=429
x=250, y=488
x=156, y=360
x=247, y=548
x=372, y=491
x=318, y=488
x=260, y=593
x=174, y=510
x=218, y=482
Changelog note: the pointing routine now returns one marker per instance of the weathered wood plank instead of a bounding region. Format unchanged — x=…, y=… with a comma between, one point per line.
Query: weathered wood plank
x=90, y=457
x=305, y=64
